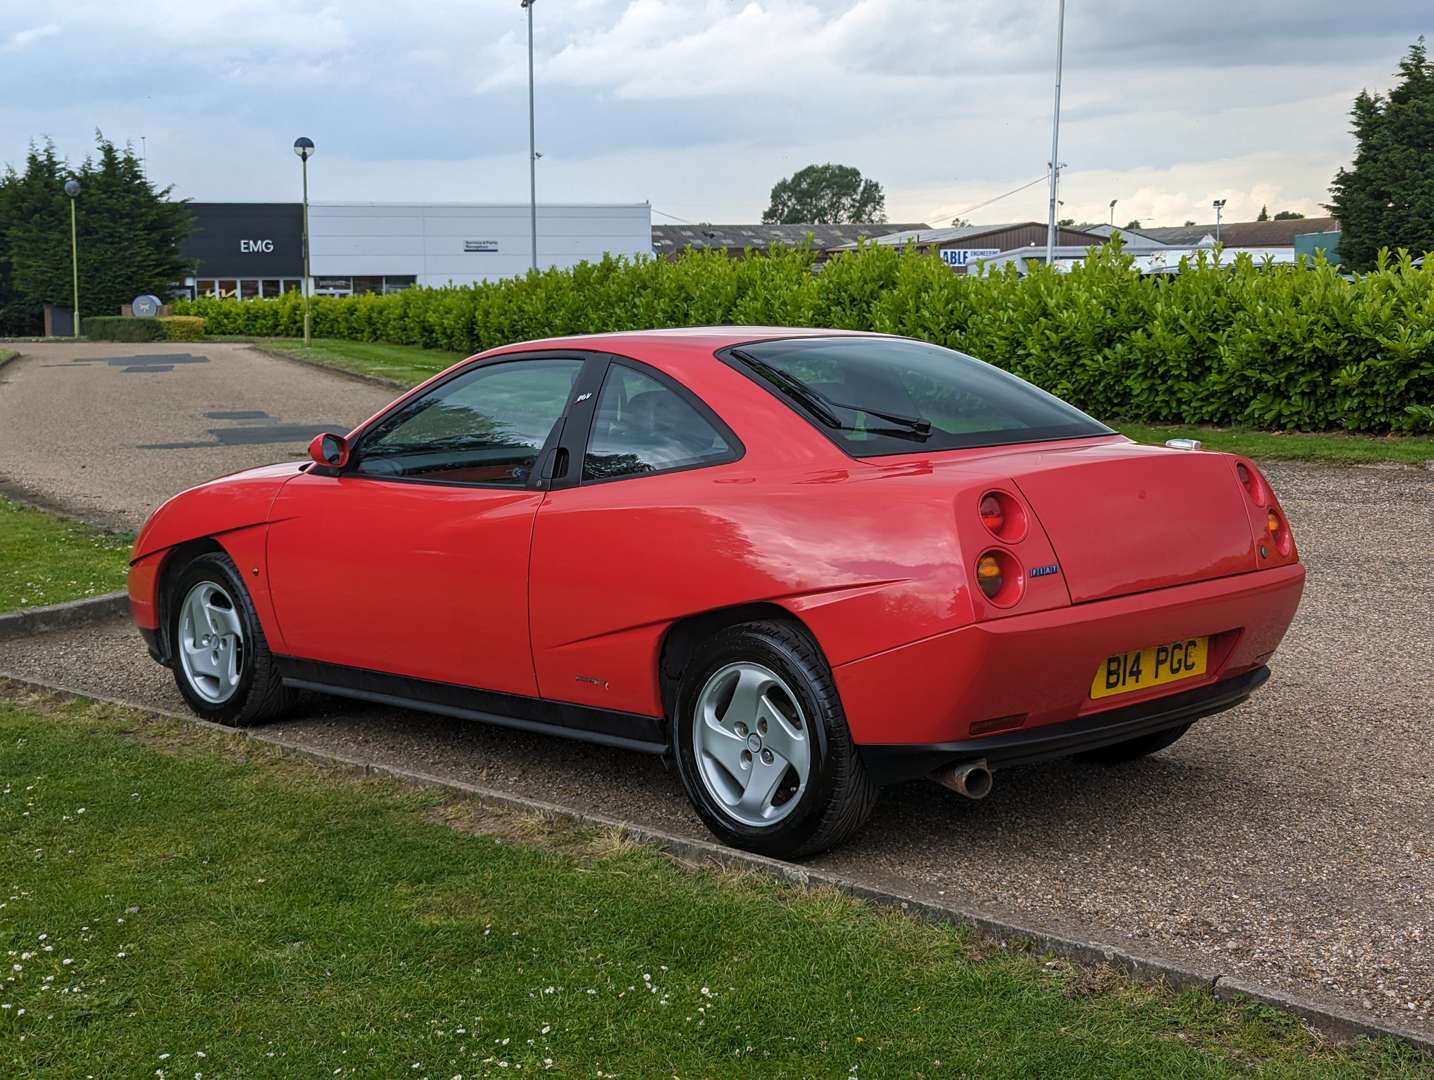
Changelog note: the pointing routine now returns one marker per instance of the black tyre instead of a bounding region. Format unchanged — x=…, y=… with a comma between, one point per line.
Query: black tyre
x=762, y=744
x=221, y=660
x=1134, y=749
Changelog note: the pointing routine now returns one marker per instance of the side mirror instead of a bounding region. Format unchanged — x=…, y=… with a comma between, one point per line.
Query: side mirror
x=330, y=449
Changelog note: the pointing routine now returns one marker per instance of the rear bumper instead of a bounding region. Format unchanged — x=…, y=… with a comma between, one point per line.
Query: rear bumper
x=893, y=764
x=1014, y=676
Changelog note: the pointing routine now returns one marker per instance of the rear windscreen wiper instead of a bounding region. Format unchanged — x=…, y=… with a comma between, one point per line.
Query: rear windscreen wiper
x=821, y=406
x=814, y=401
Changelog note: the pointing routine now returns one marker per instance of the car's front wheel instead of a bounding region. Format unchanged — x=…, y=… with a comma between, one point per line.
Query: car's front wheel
x=221, y=659
x=762, y=744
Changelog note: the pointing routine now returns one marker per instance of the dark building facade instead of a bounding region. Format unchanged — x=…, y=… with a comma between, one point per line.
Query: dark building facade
x=247, y=250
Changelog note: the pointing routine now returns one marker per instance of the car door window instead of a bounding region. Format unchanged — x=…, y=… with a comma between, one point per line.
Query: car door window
x=644, y=426
x=486, y=426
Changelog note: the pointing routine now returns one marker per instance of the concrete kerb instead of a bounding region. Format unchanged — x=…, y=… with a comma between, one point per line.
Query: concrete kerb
x=40, y=620
x=1142, y=967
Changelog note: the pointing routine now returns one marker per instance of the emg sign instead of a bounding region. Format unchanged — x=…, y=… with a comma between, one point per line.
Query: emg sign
x=256, y=247
x=963, y=256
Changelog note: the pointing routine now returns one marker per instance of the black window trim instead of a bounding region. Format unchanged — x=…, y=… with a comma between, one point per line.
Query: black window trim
x=582, y=434
x=725, y=354
x=537, y=481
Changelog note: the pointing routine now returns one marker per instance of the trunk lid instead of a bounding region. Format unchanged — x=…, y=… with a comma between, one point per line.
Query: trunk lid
x=1124, y=518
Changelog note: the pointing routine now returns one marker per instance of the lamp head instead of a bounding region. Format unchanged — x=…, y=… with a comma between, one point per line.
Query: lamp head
x=72, y=188
x=304, y=147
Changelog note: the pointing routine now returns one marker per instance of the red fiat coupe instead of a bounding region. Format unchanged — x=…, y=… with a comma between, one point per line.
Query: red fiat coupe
x=802, y=563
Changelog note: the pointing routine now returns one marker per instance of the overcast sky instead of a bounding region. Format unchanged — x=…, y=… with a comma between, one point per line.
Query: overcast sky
x=699, y=106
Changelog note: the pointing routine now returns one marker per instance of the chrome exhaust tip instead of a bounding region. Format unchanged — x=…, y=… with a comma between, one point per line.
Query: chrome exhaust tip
x=971, y=779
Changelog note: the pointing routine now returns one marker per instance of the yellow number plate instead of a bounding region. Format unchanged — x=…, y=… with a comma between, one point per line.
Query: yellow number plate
x=1170, y=662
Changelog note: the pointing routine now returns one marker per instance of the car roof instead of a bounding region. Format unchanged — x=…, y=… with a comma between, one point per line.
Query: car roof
x=708, y=338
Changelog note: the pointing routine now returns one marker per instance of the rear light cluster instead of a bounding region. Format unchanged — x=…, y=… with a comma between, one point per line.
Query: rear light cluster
x=999, y=576
x=1275, y=538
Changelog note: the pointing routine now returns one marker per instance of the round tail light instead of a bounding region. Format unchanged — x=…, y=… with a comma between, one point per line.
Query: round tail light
x=991, y=514
x=989, y=576
x=999, y=577
x=1003, y=516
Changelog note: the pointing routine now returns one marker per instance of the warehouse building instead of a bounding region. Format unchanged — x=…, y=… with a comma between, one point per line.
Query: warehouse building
x=255, y=250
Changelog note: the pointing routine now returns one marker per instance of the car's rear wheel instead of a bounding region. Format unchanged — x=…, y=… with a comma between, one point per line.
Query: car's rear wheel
x=1134, y=749
x=221, y=659
x=762, y=744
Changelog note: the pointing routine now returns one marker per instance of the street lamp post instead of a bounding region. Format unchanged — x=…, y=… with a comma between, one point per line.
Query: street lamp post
x=72, y=189
x=1219, y=205
x=304, y=147
x=532, y=140
x=1056, y=134
x=1112, y=212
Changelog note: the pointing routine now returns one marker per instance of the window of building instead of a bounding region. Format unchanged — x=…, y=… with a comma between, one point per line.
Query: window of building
x=204, y=287
x=643, y=426
x=392, y=283
x=249, y=288
x=270, y=288
x=367, y=284
x=293, y=285
x=228, y=288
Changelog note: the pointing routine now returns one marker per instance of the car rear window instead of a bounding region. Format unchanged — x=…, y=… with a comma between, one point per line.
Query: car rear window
x=875, y=396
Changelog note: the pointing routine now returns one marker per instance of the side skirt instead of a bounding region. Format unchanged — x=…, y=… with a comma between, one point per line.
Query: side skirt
x=628, y=731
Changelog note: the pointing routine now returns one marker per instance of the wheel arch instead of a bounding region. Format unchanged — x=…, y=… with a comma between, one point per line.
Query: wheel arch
x=173, y=563
x=683, y=637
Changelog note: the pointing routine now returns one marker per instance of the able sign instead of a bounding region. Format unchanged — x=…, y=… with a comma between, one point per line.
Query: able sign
x=963, y=256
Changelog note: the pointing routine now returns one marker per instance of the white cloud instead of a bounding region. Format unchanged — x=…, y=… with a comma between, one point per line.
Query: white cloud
x=22, y=38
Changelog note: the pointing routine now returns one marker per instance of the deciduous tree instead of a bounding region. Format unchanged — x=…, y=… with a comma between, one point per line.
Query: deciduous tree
x=826, y=195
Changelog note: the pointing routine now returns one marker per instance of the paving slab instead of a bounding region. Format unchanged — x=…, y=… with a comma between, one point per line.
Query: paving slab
x=1288, y=842
x=107, y=431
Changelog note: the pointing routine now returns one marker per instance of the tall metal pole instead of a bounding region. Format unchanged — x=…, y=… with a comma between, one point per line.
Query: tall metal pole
x=308, y=281
x=532, y=140
x=1056, y=134
x=75, y=263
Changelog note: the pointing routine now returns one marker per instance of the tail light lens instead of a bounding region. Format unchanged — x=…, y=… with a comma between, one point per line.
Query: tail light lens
x=989, y=576
x=991, y=514
x=1003, y=516
x=1279, y=532
x=999, y=577
x=1253, y=483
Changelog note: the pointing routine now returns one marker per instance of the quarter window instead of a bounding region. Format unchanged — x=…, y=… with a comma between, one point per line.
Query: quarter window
x=643, y=426
x=486, y=426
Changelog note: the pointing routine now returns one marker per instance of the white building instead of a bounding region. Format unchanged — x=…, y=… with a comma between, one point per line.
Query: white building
x=255, y=250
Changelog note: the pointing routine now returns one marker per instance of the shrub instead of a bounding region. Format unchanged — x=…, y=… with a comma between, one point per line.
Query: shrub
x=121, y=328
x=1274, y=347
x=182, y=327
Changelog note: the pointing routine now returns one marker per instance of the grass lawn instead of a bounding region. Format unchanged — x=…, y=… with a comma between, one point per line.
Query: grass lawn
x=45, y=559
x=7, y=355
x=1337, y=448
x=403, y=364
x=177, y=903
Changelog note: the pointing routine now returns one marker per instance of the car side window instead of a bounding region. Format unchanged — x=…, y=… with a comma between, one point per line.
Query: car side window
x=487, y=426
x=644, y=426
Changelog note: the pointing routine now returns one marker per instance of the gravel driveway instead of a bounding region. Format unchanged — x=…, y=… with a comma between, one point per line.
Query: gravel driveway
x=1287, y=841
x=107, y=431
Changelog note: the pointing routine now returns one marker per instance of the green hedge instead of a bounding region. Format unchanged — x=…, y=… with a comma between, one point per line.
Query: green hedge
x=121, y=328
x=1278, y=348
x=182, y=327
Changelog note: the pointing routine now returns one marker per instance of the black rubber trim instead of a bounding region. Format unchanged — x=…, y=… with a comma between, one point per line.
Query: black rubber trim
x=154, y=643
x=895, y=763
x=630, y=731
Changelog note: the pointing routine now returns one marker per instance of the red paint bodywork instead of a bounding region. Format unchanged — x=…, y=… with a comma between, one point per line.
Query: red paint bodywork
x=568, y=594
